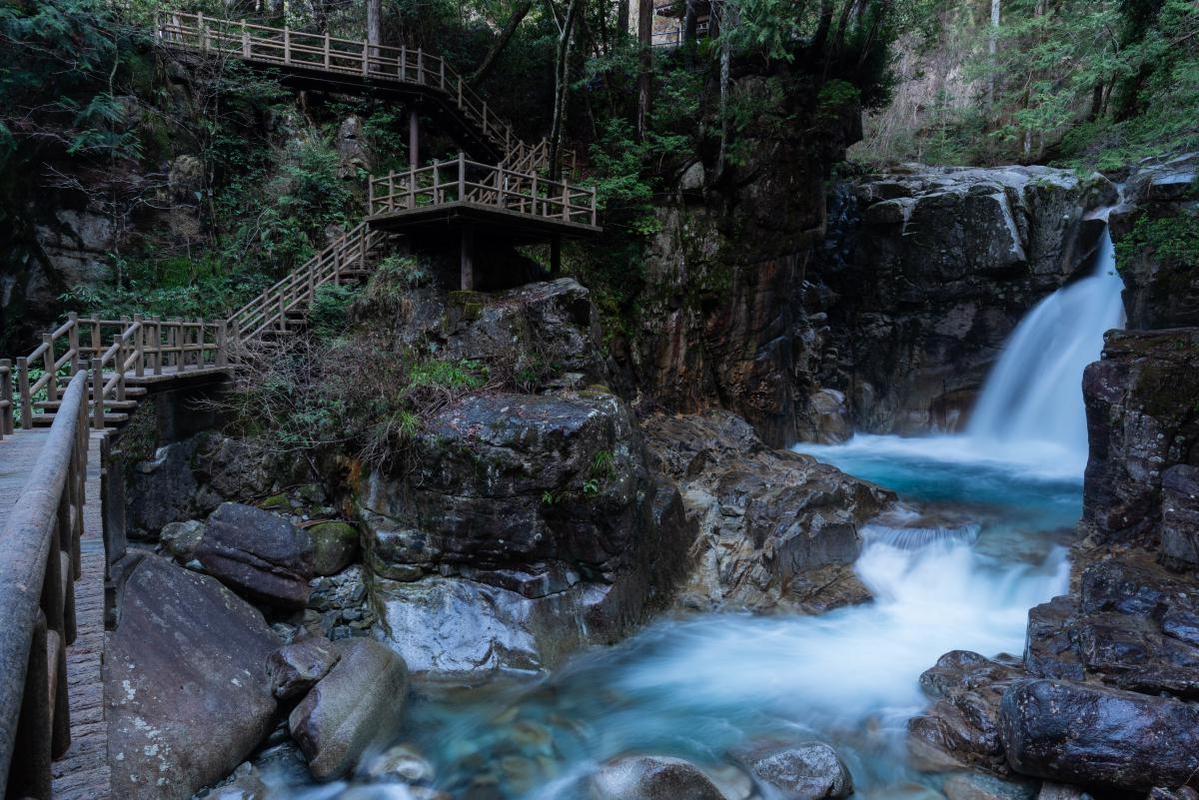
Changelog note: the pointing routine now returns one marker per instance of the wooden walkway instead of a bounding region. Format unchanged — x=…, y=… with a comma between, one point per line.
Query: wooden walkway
x=83, y=773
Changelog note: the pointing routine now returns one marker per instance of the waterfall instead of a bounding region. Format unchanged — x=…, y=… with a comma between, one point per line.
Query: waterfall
x=1034, y=392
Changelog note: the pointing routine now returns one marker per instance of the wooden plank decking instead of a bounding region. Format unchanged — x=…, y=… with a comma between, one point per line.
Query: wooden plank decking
x=83, y=773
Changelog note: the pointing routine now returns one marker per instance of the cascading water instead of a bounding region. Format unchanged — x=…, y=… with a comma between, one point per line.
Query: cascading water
x=1034, y=393
x=980, y=542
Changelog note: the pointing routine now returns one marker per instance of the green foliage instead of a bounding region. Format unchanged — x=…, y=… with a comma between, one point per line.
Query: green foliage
x=1171, y=240
x=457, y=375
x=329, y=314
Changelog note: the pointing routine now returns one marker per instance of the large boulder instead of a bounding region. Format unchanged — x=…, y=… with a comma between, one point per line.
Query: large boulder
x=259, y=555
x=651, y=778
x=1180, y=516
x=185, y=682
x=1139, y=425
x=1099, y=736
x=776, y=528
x=357, y=705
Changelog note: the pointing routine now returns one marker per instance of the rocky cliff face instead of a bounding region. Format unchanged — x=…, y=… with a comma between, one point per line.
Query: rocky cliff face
x=928, y=270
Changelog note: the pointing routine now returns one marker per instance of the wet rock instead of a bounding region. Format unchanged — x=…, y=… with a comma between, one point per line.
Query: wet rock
x=295, y=668
x=245, y=784
x=1051, y=651
x=651, y=778
x=1181, y=793
x=977, y=786
x=962, y=727
x=162, y=491
x=830, y=417
x=776, y=528
x=1180, y=516
x=810, y=771
x=258, y=554
x=1061, y=791
x=334, y=547
x=1098, y=736
x=1138, y=430
x=186, y=689
x=400, y=764
x=352, y=150
x=357, y=705
x=393, y=791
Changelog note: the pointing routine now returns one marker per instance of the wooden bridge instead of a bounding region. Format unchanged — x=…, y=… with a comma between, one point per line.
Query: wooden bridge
x=86, y=377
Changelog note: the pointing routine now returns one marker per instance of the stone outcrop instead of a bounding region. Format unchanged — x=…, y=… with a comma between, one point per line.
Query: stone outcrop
x=356, y=705
x=185, y=683
x=777, y=529
x=926, y=272
x=1141, y=421
x=1157, y=223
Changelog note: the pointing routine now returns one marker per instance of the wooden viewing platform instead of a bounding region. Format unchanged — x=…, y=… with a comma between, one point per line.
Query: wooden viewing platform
x=324, y=61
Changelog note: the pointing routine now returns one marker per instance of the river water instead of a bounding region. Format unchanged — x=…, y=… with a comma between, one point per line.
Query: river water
x=982, y=536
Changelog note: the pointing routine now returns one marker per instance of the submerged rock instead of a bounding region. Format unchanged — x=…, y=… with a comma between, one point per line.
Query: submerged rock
x=185, y=682
x=978, y=786
x=651, y=778
x=1099, y=736
x=357, y=705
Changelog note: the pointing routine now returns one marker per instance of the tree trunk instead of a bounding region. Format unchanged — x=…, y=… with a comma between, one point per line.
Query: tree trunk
x=728, y=21
x=374, y=25
x=518, y=15
x=690, y=23
x=562, y=87
x=993, y=51
x=622, y=20
x=645, y=86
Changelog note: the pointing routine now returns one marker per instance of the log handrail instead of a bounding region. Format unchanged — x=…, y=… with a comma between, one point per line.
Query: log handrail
x=40, y=541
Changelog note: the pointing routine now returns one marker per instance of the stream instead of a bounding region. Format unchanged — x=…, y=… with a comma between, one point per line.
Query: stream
x=981, y=536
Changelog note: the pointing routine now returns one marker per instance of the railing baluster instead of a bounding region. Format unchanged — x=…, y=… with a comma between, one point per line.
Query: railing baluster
x=23, y=388
x=6, y=413
x=139, y=339
x=73, y=341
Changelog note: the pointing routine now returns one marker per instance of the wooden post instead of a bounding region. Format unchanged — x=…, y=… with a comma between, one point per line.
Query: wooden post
x=534, y=193
x=420, y=65
x=436, y=175
x=500, y=186
x=459, y=91
x=328, y=47
x=73, y=340
x=593, y=204
x=565, y=202
x=370, y=196
x=245, y=40
x=6, y=425
x=412, y=188
x=96, y=345
x=120, y=365
x=466, y=247
x=23, y=389
x=201, y=34
x=286, y=45
x=413, y=140
x=282, y=312
x=139, y=342
x=442, y=74
x=48, y=366
x=97, y=394
x=404, y=63
x=222, y=357
x=366, y=59
x=461, y=177
x=157, y=346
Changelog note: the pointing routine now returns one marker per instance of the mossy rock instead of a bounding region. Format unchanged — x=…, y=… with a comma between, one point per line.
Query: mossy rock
x=276, y=502
x=334, y=546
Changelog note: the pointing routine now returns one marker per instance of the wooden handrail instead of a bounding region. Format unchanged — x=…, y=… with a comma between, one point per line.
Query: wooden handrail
x=39, y=552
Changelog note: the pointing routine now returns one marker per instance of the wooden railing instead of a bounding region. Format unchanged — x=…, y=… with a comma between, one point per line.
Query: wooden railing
x=6, y=401
x=136, y=347
x=348, y=254
x=37, y=601
x=463, y=181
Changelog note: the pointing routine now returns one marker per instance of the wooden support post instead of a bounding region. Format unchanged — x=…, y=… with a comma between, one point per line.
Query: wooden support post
x=442, y=74
x=282, y=312
x=461, y=177
x=593, y=206
x=96, y=345
x=370, y=196
x=413, y=139
x=467, y=252
x=245, y=41
x=420, y=65
x=222, y=356
x=23, y=389
x=534, y=193
x=157, y=346
x=6, y=415
x=459, y=91
x=366, y=59
x=201, y=34
x=328, y=48
x=73, y=340
x=436, y=181
x=565, y=202
x=120, y=365
x=48, y=366
x=286, y=45
x=404, y=63
x=139, y=342
x=97, y=394
x=29, y=773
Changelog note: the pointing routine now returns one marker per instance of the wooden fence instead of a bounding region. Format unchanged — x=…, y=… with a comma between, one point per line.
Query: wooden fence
x=463, y=181
x=37, y=574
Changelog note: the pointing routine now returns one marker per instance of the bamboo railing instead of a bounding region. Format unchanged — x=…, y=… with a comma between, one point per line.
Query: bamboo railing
x=463, y=181
x=286, y=47
x=37, y=574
